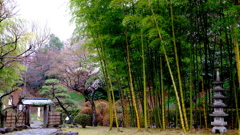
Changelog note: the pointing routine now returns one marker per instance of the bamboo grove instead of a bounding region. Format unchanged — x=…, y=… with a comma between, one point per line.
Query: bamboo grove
x=162, y=56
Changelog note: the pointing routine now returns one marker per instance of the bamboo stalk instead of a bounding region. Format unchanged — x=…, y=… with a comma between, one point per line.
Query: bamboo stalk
x=236, y=51
x=178, y=69
x=191, y=90
x=162, y=97
x=114, y=103
x=131, y=84
x=144, y=86
x=102, y=53
x=204, y=105
x=170, y=71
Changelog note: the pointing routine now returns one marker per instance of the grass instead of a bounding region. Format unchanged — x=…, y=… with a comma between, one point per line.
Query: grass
x=34, y=117
x=77, y=97
x=133, y=131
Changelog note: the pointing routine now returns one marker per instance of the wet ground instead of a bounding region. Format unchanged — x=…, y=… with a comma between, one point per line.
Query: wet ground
x=39, y=131
x=36, y=129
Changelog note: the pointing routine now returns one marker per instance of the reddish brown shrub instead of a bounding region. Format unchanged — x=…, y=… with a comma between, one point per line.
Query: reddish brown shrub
x=88, y=110
x=87, y=104
x=106, y=120
x=103, y=107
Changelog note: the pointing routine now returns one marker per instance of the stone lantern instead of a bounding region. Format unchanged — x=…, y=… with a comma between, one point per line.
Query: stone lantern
x=218, y=105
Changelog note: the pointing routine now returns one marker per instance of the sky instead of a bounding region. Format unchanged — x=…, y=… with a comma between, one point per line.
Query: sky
x=53, y=13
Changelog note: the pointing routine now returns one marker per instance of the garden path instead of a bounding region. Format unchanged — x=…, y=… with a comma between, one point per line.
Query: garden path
x=39, y=131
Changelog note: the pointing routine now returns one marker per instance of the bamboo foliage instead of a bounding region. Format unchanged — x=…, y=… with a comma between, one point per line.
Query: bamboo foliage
x=192, y=36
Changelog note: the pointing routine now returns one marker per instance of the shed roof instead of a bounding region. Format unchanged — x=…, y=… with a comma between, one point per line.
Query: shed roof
x=37, y=101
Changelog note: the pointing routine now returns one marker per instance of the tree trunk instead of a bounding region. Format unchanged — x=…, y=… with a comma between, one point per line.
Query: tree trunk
x=2, y=116
x=65, y=110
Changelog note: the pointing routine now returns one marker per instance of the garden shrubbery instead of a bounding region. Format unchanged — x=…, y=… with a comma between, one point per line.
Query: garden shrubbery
x=82, y=119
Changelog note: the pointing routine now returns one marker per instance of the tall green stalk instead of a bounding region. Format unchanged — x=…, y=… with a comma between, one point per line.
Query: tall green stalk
x=191, y=89
x=170, y=70
x=104, y=64
x=114, y=103
x=204, y=104
x=144, y=86
x=162, y=97
x=131, y=84
x=178, y=69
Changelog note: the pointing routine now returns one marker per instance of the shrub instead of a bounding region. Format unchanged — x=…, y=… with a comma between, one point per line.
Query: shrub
x=88, y=110
x=73, y=112
x=82, y=119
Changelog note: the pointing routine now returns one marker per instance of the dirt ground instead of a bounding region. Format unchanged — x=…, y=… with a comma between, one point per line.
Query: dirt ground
x=133, y=131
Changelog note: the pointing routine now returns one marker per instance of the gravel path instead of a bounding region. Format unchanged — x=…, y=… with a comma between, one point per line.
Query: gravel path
x=39, y=131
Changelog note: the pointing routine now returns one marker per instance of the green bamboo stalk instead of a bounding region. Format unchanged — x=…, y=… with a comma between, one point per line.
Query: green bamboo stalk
x=114, y=103
x=191, y=90
x=175, y=90
x=170, y=71
x=178, y=69
x=236, y=51
x=144, y=86
x=110, y=102
x=162, y=97
x=131, y=84
x=204, y=105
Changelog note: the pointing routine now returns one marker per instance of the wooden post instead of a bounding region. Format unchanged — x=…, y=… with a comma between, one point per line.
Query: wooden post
x=45, y=116
x=27, y=122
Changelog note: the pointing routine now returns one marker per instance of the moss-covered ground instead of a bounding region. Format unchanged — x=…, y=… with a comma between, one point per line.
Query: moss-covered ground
x=133, y=131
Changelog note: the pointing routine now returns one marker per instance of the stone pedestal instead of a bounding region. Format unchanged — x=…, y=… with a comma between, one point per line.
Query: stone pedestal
x=218, y=105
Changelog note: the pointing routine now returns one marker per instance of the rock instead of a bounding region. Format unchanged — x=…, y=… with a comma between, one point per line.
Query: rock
x=21, y=127
x=8, y=129
x=59, y=133
x=71, y=133
x=2, y=130
x=71, y=126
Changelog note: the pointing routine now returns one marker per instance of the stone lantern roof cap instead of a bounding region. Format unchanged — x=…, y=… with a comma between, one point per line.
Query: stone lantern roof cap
x=218, y=105
x=217, y=82
x=218, y=96
x=218, y=88
x=218, y=114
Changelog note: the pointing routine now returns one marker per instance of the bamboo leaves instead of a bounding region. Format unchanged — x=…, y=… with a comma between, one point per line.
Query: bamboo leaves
x=137, y=34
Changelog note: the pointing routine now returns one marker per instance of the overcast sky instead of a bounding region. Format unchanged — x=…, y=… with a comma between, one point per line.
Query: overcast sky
x=53, y=13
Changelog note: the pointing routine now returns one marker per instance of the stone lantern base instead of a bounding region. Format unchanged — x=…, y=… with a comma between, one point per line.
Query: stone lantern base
x=221, y=129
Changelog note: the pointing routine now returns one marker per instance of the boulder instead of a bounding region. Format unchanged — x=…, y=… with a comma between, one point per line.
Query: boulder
x=59, y=133
x=8, y=129
x=71, y=133
x=2, y=130
x=21, y=127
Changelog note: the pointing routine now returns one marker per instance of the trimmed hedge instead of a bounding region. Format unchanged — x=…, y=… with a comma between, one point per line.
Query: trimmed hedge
x=82, y=119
